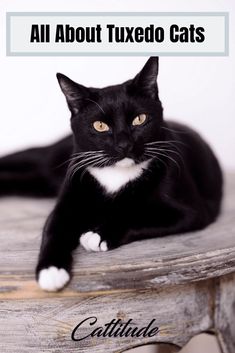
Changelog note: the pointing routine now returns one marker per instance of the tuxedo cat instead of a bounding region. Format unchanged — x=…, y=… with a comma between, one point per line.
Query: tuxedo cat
x=130, y=175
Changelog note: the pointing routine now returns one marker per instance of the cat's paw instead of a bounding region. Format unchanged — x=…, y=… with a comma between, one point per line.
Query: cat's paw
x=53, y=279
x=91, y=241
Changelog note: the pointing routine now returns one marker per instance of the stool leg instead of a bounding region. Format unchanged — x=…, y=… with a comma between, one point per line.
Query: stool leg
x=165, y=348
x=225, y=313
x=226, y=342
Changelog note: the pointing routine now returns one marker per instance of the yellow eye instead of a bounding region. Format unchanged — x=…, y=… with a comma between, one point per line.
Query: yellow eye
x=100, y=126
x=139, y=120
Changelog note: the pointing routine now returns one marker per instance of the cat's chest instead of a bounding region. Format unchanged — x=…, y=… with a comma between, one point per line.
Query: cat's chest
x=114, y=178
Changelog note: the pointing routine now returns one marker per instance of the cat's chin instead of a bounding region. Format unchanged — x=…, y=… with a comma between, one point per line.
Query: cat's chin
x=115, y=177
x=125, y=163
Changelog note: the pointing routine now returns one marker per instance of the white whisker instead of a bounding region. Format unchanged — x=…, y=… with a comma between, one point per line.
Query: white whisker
x=164, y=142
x=167, y=156
x=84, y=164
x=175, y=131
x=153, y=149
x=76, y=156
x=152, y=155
x=87, y=152
x=98, y=164
x=101, y=163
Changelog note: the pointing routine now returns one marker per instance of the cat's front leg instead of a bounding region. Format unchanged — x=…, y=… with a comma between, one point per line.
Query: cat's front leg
x=60, y=237
x=55, y=258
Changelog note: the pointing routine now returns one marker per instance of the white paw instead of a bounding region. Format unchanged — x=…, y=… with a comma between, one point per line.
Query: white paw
x=52, y=279
x=92, y=242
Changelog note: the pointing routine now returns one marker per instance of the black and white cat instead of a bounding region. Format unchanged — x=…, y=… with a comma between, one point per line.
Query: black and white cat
x=131, y=174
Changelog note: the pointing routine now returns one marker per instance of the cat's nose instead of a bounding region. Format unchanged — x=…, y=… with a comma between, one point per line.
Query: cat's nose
x=124, y=147
x=124, y=144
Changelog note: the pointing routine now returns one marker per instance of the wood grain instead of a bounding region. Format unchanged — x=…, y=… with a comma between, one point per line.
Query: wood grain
x=45, y=325
x=225, y=313
x=185, y=281
x=146, y=264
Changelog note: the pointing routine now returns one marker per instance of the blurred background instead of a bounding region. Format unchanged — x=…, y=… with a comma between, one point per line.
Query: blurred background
x=199, y=91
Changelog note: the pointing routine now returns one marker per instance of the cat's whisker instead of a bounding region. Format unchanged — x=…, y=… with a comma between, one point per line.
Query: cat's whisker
x=101, y=163
x=82, y=158
x=153, y=149
x=87, y=152
x=77, y=166
x=153, y=156
x=93, y=165
x=67, y=161
x=161, y=149
x=169, y=143
x=73, y=166
x=90, y=158
x=167, y=156
x=175, y=131
x=82, y=164
x=112, y=161
x=98, y=164
x=164, y=142
x=80, y=155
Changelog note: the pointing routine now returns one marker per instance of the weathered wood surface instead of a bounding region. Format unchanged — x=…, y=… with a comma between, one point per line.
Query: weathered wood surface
x=186, y=282
x=46, y=325
x=146, y=264
x=225, y=313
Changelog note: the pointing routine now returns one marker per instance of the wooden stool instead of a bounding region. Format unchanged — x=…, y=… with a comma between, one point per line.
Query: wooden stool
x=185, y=282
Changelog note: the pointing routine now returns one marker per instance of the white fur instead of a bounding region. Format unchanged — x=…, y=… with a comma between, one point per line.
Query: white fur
x=114, y=177
x=125, y=163
x=91, y=241
x=52, y=279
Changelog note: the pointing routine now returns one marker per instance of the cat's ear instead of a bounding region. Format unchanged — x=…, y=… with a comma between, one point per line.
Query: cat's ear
x=74, y=92
x=145, y=81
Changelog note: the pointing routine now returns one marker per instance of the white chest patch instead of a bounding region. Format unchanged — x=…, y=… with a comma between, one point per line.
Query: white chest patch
x=114, y=177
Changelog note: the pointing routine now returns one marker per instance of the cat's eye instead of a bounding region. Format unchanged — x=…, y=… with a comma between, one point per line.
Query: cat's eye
x=139, y=120
x=100, y=126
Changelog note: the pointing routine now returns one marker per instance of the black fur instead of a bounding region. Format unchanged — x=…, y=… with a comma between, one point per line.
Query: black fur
x=180, y=191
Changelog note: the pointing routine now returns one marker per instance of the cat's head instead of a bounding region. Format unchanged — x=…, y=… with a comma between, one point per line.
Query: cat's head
x=117, y=120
